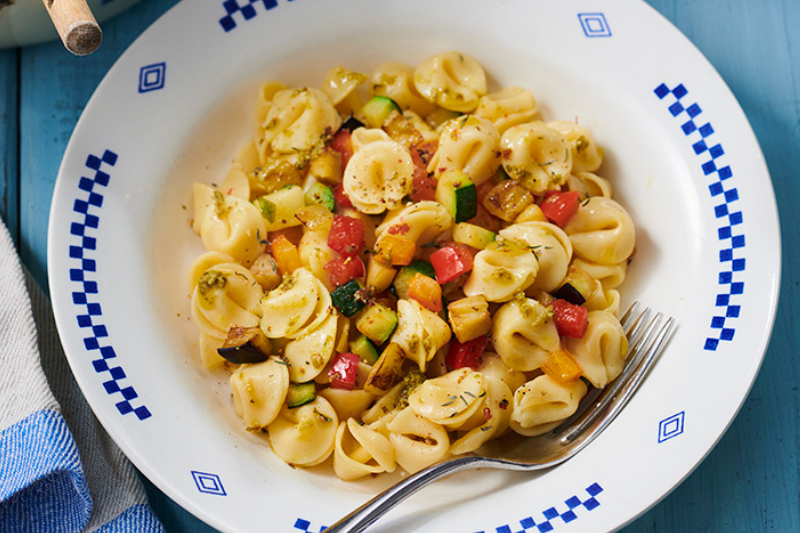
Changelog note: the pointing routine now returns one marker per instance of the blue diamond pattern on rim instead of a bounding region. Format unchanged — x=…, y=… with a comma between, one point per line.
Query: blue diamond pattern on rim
x=671, y=427
x=152, y=77
x=246, y=8
x=594, y=25
x=208, y=483
x=552, y=517
x=84, y=268
x=732, y=262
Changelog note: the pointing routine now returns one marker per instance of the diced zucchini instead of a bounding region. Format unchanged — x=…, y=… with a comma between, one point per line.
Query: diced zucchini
x=378, y=109
x=377, y=322
x=278, y=208
x=348, y=298
x=473, y=235
x=386, y=371
x=578, y=286
x=319, y=194
x=365, y=349
x=301, y=394
x=403, y=277
x=458, y=195
x=266, y=207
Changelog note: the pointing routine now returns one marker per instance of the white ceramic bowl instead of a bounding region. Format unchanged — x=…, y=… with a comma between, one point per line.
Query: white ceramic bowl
x=174, y=109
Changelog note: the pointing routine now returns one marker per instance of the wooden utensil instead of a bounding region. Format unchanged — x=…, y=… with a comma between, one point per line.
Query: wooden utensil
x=75, y=24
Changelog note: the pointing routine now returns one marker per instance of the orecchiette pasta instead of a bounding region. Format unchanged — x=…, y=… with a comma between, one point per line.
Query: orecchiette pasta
x=451, y=80
x=306, y=435
x=470, y=144
x=602, y=349
x=543, y=403
x=390, y=283
x=378, y=176
x=537, y=156
x=226, y=295
x=508, y=107
x=524, y=335
x=502, y=270
x=551, y=246
x=298, y=121
x=228, y=224
x=602, y=232
x=259, y=391
x=586, y=155
x=396, y=81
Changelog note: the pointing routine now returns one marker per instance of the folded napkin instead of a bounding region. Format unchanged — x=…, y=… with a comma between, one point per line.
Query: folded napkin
x=59, y=469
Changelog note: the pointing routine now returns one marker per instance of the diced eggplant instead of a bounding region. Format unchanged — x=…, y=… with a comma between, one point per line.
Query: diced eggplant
x=245, y=345
x=351, y=123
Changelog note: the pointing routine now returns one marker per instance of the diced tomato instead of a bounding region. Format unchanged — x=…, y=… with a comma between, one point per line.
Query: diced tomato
x=347, y=235
x=423, y=186
x=560, y=207
x=340, y=198
x=571, y=320
x=461, y=354
x=343, y=144
x=426, y=291
x=561, y=367
x=344, y=269
x=395, y=250
x=449, y=262
x=343, y=371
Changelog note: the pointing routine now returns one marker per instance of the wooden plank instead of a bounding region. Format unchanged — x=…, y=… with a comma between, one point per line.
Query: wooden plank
x=9, y=142
x=749, y=482
x=57, y=86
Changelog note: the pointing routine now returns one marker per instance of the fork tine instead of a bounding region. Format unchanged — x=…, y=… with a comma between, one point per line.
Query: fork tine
x=644, y=352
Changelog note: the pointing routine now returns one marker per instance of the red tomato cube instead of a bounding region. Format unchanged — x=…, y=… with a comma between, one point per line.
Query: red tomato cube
x=342, y=270
x=571, y=320
x=461, y=354
x=450, y=261
x=560, y=207
x=343, y=371
x=347, y=235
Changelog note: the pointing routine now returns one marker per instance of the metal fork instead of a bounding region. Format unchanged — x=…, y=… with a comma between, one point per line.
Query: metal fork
x=647, y=336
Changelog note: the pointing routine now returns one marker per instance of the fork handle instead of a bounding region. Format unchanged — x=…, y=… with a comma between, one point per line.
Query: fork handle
x=368, y=513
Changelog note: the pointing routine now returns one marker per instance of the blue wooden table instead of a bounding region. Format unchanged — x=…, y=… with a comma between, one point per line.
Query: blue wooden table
x=751, y=481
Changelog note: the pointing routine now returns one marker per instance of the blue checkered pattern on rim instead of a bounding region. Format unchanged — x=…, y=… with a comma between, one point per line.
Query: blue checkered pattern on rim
x=727, y=212
x=550, y=518
x=247, y=9
x=84, y=269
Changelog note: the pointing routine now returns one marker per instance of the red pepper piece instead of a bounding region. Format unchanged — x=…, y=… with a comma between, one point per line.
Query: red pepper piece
x=560, y=207
x=343, y=144
x=342, y=270
x=571, y=320
x=451, y=261
x=347, y=235
x=343, y=371
x=423, y=186
x=340, y=198
x=461, y=354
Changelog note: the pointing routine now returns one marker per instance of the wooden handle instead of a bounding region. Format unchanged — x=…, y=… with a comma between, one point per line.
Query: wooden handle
x=75, y=24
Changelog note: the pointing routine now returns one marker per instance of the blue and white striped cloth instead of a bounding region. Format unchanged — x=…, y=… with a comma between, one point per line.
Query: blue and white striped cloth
x=59, y=469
